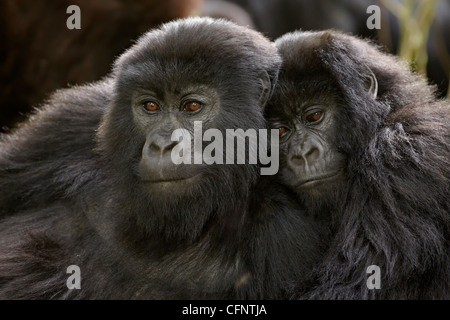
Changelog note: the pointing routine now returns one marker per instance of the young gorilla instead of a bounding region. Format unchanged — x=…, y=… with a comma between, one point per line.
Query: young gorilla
x=365, y=145
x=112, y=202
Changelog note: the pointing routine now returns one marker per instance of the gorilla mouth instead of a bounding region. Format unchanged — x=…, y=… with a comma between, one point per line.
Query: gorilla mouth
x=318, y=179
x=190, y=179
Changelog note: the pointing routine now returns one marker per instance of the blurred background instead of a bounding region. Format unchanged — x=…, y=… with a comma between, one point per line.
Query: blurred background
x=39, y=54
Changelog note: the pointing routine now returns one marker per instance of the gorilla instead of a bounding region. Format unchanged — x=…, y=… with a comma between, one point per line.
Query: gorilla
x=365, y=145
x=88, y=181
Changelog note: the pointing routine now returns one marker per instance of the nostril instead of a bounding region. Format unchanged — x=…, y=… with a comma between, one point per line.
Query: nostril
x=161, y=147
x=312, y=154
x=154, y=147
x=296, y=159
x=304, y=156
x=169, y=146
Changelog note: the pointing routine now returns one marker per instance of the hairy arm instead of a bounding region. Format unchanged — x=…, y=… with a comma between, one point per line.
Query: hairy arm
x=51, y=154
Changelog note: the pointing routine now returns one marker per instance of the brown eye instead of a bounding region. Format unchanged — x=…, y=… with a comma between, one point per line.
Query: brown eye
x=151, y=106
x=314, y=117
x=192, y=106
x=282, y=131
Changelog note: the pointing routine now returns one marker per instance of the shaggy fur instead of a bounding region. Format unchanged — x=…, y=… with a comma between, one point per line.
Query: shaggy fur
x=70, y=192
x=392, y=209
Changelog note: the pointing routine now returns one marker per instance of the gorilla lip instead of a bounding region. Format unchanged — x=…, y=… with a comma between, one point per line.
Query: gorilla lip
x=168, y=180
x=319, y=178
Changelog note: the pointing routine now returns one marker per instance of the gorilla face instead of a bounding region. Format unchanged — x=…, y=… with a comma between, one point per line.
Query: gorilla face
x=321, y=130
x=305, y=118
x=170, y=98
x=157, y=116
x=168, y=82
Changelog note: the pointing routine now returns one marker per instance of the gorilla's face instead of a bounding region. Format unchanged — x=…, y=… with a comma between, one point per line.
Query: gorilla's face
x=157, y=115
x=171, y=109
x=304, y=113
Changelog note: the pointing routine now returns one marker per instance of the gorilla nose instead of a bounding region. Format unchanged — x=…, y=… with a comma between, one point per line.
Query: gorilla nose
x=156, y=163
x=304, y=157
x=160, y=146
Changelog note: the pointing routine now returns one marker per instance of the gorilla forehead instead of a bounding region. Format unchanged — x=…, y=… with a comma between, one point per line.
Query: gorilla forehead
x=170, y=75
x=192, y=48
x=295, y=93
x=307, y=52
x=301, y=52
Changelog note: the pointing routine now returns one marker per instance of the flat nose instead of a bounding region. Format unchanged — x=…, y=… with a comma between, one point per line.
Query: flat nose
x=304, y=155
x=160, y=146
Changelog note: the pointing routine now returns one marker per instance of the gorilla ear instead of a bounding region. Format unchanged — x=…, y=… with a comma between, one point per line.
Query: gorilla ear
x=266, y=86
x=371, y=84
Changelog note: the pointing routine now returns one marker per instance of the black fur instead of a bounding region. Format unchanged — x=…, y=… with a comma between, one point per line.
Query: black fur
x=392, y=209
x=70, y=195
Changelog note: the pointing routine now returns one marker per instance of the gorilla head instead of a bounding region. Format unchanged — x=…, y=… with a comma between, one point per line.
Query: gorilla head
x=323, y=122
x=169, y=79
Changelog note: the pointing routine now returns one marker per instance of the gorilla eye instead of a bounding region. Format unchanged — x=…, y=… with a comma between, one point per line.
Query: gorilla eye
x=314, y=117
x=282, y=131
x=151, y=106
x=192, y=106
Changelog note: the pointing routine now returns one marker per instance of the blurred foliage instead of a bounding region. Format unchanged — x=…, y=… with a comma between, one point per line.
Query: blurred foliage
x=415, y=18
